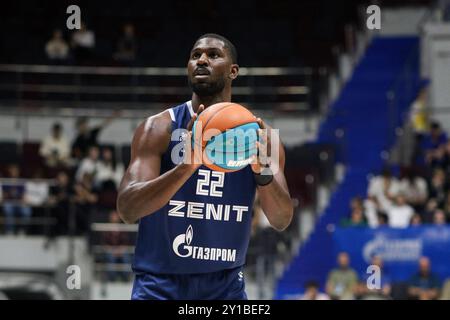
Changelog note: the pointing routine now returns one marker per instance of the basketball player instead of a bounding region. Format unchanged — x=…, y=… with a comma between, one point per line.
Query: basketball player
x=194, y=223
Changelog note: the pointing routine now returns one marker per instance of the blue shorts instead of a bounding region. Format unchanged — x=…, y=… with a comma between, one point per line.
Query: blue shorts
x=222, y=285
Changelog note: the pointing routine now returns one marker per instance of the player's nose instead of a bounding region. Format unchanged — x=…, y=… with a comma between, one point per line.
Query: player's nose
x=203, y=60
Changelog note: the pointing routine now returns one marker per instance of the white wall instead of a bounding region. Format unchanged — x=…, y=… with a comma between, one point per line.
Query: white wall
x=435, y=65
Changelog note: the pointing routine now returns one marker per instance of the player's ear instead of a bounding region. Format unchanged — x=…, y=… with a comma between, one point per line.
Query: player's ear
x=234, y=71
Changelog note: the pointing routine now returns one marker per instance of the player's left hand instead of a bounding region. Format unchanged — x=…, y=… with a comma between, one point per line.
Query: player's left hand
x=263, y=145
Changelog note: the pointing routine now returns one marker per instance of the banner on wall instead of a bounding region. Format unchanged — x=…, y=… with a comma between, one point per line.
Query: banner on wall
x=400, y=249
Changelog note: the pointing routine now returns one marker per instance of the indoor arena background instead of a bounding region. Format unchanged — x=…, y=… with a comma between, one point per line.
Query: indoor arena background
x=363, y=111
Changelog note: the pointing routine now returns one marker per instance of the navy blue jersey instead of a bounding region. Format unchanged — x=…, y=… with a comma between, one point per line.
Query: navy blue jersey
x=205, y=227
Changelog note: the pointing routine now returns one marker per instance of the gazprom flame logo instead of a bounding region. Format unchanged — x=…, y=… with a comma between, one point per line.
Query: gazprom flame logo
x=189, y=235
x=184, y=238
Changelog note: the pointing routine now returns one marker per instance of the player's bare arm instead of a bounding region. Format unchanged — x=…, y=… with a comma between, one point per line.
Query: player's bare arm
x=274, y=197
x=143, y=190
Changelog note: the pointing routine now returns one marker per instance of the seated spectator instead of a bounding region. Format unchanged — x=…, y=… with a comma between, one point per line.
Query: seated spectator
x=415, y=190
x=367, y=289
x=382, y=190
x=36, y=190
x=57, y=48
x=14, y=202
x=87, y=137
x=431, y=141
x=439, y=218
x=109, y=172
x=116, y=243
x=85, y=197
x=400, y=214
x=312, y=292
x=438, y=186
x=424, y=285
x=342, y=281
x=430, y=207
x=416, y=220
x=357, y=218
x=89, y=165
x=59, y=200
x=127, y=45
x=83, y=44
x=55, y=148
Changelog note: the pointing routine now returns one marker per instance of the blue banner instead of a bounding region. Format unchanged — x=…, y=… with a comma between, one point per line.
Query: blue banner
x=400, y=249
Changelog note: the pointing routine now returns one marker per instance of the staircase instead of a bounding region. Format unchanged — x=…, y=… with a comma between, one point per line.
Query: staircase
x=361, y=123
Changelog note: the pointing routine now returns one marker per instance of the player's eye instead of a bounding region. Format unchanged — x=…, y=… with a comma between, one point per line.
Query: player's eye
x=213, y=55
x=195, y=55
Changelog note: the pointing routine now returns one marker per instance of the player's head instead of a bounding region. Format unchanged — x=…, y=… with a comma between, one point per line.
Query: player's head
x=212, y=65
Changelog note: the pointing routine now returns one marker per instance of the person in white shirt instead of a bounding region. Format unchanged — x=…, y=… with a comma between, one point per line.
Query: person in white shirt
x=380, y=194
x=83, y=43
x=312, y=292
x=108, y=169
x=89, y=165
x=415, y=189
x=400, y=213
x=55, y=148
x=36, y=190
x=383, y=189
x=57, y=48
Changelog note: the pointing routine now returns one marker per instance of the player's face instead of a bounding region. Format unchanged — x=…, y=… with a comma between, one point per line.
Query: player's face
x=209, y=67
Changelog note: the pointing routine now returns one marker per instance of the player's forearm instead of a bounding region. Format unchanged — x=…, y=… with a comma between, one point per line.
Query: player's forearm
x=276, y=204
x=143, y=198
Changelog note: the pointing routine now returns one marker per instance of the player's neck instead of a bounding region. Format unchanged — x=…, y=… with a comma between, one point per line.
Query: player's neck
x=209, y=100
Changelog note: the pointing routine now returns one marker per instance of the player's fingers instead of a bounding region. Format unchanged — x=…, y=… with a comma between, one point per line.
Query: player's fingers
x=191, y=122
x=261, y=123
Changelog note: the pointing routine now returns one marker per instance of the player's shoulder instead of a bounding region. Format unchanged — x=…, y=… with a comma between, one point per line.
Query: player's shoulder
x=155, y=128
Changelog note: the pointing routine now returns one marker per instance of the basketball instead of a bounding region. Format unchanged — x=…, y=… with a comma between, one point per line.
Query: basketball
x=228, y=136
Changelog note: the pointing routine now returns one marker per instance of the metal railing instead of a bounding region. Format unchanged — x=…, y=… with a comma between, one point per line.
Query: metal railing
x=288, y=89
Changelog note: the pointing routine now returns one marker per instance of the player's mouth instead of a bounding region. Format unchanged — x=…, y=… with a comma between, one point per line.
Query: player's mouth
x=201, y=73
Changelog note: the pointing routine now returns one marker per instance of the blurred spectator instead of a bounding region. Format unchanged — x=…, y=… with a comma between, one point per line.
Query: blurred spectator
x=415, y=190
x=437, y=188
x=109, y=171
x=116, y=255
x=55, y=148
x=57, y=48
x=87, y=137
x=430, y=207
x=432, y=141
x=416, y=220
x=342, y=281
x=127, y=45
x=312, y=292
x=85, y=197
x=59, y=199
x=13, y=201
x=89, y=165
x=439, y=218
x=357, y=218
x=382, y=190
x=383, y=291
x=424, y=285
x=83, y=44
x=36, y=190
x=400, y=214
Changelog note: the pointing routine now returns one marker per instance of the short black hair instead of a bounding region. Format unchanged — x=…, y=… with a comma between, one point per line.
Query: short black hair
x=312, y=284
x=228, y=44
